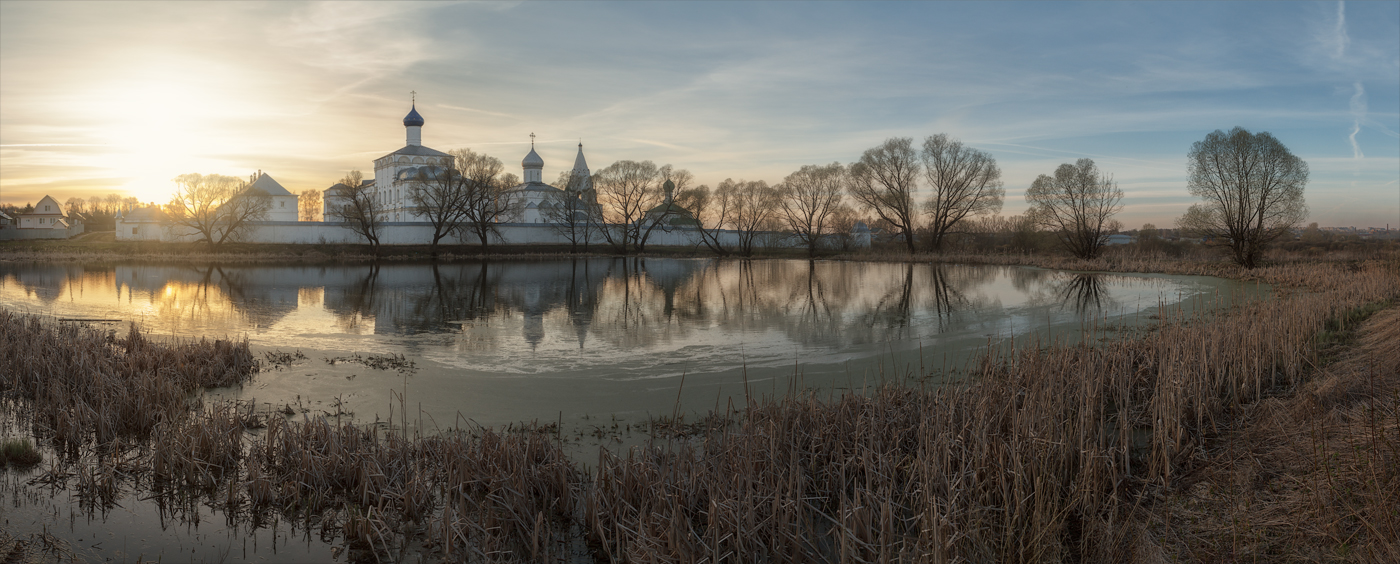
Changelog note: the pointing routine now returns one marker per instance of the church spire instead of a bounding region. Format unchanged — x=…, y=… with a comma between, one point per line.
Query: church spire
x=580, y=165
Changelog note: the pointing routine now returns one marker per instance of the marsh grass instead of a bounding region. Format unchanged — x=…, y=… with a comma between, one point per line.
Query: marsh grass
x=1047, y=453
x=19, y=453
x=1312, y=476
x=84, y=384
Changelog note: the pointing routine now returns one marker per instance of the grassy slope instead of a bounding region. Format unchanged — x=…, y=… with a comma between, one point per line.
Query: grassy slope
x=1312, y=475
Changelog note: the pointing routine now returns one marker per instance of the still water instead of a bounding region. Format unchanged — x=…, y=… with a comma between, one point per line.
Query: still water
x=573, y=340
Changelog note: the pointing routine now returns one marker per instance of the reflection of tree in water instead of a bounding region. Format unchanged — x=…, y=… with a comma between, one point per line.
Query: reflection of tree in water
x=632, y=310
x=355, y=301
x=892, y=311
x=1026, y=279
x=818, y=314
x=1086, y=291
x=941, y=292
x=677, y=278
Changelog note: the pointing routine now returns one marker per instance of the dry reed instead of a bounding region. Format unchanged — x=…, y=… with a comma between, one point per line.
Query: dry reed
x=83, y=383
x=1052, y=453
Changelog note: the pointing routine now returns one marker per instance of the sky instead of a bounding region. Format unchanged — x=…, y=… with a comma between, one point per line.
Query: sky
x=121, y=97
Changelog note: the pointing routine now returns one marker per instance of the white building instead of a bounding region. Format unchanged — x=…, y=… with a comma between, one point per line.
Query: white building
x=395, y=172
x=535, y=196
x=284, y=203
x=47, y=214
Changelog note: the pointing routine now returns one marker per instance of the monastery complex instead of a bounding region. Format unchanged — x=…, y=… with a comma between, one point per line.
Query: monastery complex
x=395, y=175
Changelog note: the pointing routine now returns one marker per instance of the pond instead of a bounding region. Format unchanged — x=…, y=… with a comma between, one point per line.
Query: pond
x=626, y=339
x=598, y=345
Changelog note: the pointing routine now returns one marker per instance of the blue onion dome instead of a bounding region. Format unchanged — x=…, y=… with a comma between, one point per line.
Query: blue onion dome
x=413, y=118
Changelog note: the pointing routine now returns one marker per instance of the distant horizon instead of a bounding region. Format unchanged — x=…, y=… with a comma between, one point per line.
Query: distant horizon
x=121, y=97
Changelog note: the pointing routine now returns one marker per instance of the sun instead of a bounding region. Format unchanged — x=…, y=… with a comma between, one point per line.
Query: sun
x=161, y=125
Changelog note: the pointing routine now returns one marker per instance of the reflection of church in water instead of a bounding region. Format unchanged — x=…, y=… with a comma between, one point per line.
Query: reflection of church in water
x=412, y=299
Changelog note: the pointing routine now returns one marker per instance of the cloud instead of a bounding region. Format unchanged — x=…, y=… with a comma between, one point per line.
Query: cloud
x=1338, y=39
x=1358, y=113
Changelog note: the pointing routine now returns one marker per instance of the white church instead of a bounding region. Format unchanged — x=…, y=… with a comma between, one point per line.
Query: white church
x=395, y=175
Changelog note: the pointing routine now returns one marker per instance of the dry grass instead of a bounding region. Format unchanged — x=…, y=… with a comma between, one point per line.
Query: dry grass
x=1312, y=477
x=1045, y=454
x=498, y=497
x=19, y=452
x=84, y=384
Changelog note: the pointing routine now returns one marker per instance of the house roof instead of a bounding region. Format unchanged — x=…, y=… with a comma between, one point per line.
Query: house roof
x=267, y=184
x=535, y=187
x=418, y=151
x=153, y=213
x=57, y=207
x=339, y=188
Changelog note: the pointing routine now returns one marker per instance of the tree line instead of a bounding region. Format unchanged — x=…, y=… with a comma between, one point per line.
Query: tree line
x=919, y=195
x=98, y=213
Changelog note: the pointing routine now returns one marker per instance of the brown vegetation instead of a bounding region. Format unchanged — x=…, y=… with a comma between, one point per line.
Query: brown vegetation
x=1208, y=439
x=83, y=383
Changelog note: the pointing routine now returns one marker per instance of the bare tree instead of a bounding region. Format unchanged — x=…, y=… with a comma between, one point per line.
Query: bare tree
x=626, y=191
x=756, y=206
x=811, y=197
x=965, y=182
x=440, y=193
x=75, y=205
x=217, y=208
x=488, y=198
x=569, y=211
x=1025, y=233
x=712, y=209
x=680, y=177
x=356, y=206
x=1252, y=191
x=1078, y=205
x=746, y=208
x=843, y=226
x=1313, y=235
x=671, y=181
x=309, y=205
x=884, y=181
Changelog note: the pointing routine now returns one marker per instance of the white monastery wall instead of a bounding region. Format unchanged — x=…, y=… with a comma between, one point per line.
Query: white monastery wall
x=417, y=233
